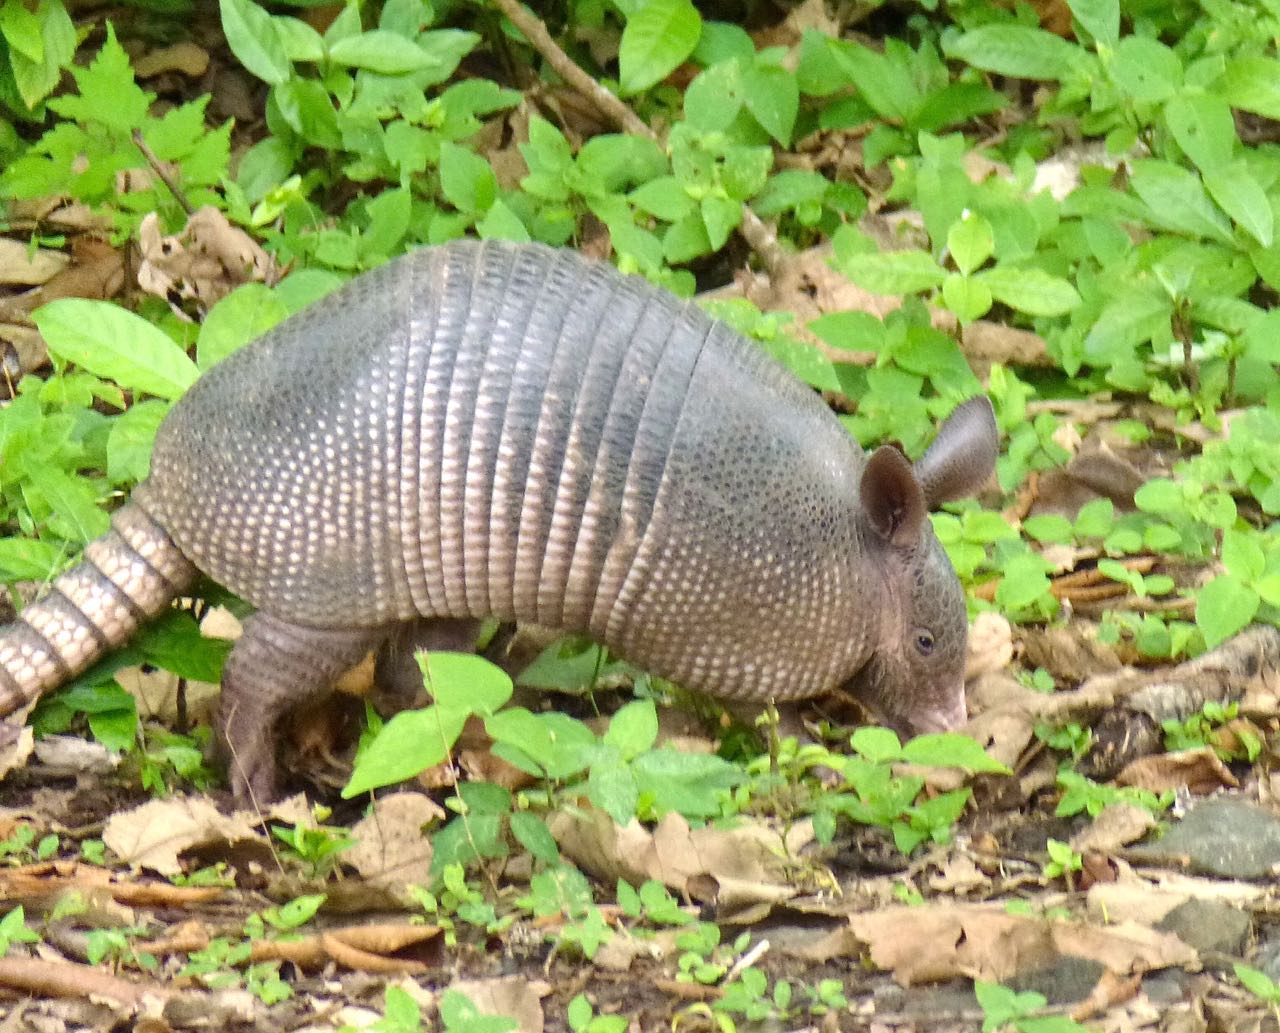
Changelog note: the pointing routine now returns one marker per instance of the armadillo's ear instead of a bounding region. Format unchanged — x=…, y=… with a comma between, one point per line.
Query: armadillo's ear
x=963, y=454
x=892, y=498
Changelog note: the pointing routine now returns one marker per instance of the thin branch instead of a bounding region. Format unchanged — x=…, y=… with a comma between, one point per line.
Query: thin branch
x=158, y=168
x=757, y=233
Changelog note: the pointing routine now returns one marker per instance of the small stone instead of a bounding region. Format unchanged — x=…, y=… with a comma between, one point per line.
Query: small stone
x=1208, y=926
x=1226, y=837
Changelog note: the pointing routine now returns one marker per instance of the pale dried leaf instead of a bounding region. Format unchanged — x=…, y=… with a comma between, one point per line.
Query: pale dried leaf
x=990, y=644
x=391, y=849
x=204, y=263
x=153, y=835
x=516, y=997
x=24, y=266
x=1199, y=772
x=185, y=57
x=1117, y=825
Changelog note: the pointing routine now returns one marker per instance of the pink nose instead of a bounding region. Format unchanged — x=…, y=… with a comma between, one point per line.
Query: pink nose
x=943, y=719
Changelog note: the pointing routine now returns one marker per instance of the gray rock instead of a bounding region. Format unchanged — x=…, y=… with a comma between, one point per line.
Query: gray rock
x=1208, y=926
x=1226, y=837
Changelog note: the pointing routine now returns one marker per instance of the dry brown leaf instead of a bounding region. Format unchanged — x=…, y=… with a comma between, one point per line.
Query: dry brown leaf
x=513, y=996
x=990, y=644
x=204, y=263
x=745, y=863
x=982, y=941
x=1199, y=772
x=26, y=266
x=68, y=979
x=184, y=57
x=371, y=948
x=391, y=849
x=153, y=835
x=1116, y=825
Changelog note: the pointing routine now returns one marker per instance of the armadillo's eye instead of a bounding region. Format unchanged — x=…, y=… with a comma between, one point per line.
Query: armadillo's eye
x=924, y=642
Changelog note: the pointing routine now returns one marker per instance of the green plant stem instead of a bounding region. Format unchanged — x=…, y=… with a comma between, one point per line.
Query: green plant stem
x=757, y=233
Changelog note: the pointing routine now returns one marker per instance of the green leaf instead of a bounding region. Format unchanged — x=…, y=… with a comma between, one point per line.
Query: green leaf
x=247, y=312
x=35, y=77
x=377, y=50
x=21, y=30
x=884, y=83
x=721, y=216
x=970, y=242
x=878, y=745
x=633, y=729
x=501, y=223
x=410, y=742
x=1015, y=50
x=664, y=197
x=29, y=559
x=949, y=749
x=129, y=443
x=611, y=786
x=893, y=272
x=534, y=836
x=108, y=94
x=1252, y=83
x=1030, y=290
x=1224, y=606
x=464, y=682
x=656, y=39
x=773, y=97
x=73, y=502
x=256, y=42
x=1242, y=197
x=115, y=344
x=1176, y=199
x=466, y=179
x=1202, y=125
x=714, y=98
x=1146, y=69
x=969, y=299
x=301, y=42
x=1100, y=18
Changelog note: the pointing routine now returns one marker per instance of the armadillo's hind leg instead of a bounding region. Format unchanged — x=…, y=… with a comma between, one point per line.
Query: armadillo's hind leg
x=275, y=666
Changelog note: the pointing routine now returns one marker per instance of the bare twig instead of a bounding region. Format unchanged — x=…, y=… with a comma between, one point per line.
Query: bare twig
x=158, y=168
x=758, y=234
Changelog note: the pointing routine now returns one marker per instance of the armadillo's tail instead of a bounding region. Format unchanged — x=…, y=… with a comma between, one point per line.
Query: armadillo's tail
x=127, y=576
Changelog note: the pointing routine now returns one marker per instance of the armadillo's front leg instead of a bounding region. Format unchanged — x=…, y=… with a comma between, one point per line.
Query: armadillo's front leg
x=274, y=667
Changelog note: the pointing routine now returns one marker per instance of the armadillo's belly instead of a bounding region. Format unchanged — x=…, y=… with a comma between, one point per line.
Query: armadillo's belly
x=470, y=430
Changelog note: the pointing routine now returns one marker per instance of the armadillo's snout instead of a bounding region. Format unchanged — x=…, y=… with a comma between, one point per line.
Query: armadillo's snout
x=941, y=719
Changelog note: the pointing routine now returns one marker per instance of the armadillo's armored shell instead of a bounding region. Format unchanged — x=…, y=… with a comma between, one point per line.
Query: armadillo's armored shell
x=516, y=431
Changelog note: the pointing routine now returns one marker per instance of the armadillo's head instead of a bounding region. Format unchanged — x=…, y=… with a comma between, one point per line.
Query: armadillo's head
x=914, y=680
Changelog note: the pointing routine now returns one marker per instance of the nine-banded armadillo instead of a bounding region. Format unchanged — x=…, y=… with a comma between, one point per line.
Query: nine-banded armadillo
x=511, y=430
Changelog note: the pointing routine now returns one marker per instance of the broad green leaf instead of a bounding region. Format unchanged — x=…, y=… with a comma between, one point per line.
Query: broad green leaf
x=611, y=786
x=1202, y=125
x=305, y=104
x=255, y=40
x=1242, y=197
x=721, y=216
x=883, y=82
x=1015, y=50
x=464, y=682
x=410, y=742
x=108, y=94
x=380, y=51
x=35, y=77
x=1242, y=555
x=970, y=242
x=714, y=97
x=466, y=179
x=29, y=559
x=1253, y=83
x=501, y=223
x=894, y=272
x=1100, y=18
x=968, y=298
x=72, y=499
x=721, y=41
x=1176, y=200
x=115, y=344
x=772, y=96
x=664, y=197
x=1030, y=290
x=21, y=30
x=1146, y=69
x=656, y=39
x=129, y=442
x=247, y=312
x=633, y=729
x=1224, y=606
x=950, y=750
x=300, y=41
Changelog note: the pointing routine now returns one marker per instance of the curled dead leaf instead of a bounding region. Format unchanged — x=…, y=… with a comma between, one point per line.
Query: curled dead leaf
x=203, y=263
